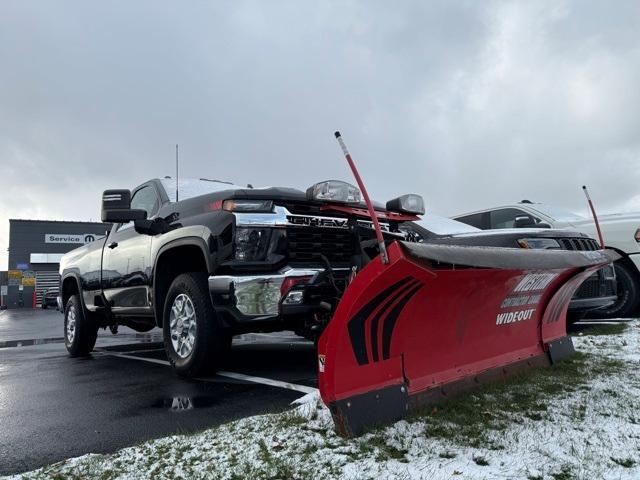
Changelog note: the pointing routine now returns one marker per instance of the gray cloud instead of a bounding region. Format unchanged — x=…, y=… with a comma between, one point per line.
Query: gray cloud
x=471, y=104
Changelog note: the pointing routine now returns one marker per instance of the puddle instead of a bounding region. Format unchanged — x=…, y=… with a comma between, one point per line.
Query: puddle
x=30, y=342
x=181, y=404
x=141, y=339
x=146, y=346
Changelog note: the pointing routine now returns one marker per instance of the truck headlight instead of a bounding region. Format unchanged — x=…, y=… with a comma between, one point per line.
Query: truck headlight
x=252, y=206
x=252, y=244
x=539, y=243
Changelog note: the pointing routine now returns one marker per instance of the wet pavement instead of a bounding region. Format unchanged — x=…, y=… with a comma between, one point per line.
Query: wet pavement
x=53, y=407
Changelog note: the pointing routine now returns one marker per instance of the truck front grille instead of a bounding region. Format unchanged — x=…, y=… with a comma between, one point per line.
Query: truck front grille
x=307, y=245
x=578, y=243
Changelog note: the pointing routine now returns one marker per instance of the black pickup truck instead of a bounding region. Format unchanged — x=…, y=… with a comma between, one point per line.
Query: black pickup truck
x=226, y=259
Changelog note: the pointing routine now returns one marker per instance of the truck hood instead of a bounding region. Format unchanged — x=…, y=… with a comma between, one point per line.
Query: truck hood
x=280, y=195
x=70, y=257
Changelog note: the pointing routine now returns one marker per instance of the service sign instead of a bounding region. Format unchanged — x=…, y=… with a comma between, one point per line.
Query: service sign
x=69, y=238
x=14, y=274
x=28, y=282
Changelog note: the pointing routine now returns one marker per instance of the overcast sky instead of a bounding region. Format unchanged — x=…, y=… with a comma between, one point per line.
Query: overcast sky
x=471, y=104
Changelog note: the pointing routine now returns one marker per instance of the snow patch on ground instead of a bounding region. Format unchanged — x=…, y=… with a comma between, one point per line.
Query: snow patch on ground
x=590, y=432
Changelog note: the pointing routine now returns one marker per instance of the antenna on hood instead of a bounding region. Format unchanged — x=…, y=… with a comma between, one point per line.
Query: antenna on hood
x=595, y=217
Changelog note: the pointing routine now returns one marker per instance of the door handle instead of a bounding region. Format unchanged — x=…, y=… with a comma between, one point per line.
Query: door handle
x=113, y=245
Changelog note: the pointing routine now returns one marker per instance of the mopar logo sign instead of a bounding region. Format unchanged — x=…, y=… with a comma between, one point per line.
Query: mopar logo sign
x=69, y=238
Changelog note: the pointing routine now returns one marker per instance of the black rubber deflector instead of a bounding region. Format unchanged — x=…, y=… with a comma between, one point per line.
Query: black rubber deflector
x=559, y=349
x=354, y=415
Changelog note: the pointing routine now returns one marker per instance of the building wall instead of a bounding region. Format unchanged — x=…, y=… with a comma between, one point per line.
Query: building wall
x=47, y=239
x=3, y=281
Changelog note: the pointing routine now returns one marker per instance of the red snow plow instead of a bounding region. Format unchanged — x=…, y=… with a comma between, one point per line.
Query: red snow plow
x=424, y=321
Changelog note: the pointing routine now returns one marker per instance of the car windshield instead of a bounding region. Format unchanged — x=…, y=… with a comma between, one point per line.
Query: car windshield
x=444, y=226
x=193, y=187
x=556, y=213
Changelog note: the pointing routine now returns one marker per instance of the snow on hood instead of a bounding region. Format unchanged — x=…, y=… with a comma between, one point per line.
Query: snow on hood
x=192, y=187
x=444, y=226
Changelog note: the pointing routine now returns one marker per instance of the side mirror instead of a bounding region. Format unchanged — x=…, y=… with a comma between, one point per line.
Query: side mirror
x=116, y=207
x=524, y=222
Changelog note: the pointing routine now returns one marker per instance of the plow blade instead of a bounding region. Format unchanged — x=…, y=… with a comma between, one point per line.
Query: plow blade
x=437, y=320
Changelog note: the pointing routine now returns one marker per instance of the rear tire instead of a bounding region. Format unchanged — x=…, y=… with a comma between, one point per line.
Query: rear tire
x=80, y=331
x=628, y=295
x=193, y=338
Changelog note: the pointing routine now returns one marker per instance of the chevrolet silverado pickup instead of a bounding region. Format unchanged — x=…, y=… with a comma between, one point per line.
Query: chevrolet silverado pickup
x=205, y=260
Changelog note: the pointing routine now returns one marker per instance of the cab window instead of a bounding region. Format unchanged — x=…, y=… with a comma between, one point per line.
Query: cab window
x=506, y=217
x=145, y=199
x=478, y=220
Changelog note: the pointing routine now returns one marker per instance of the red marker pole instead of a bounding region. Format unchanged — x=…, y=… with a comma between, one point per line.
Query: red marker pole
x=367, y=200
x=595, y=217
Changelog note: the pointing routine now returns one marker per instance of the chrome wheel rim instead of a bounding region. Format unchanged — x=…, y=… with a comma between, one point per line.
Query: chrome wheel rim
x=182, y=325
x=71, y=324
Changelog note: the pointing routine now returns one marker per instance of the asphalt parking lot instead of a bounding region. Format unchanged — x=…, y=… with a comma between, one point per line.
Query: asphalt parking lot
x=54, y=407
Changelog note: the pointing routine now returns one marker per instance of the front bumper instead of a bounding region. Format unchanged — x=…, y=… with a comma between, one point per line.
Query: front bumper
x=258, y=295
x=580, y=304
x=598, y=291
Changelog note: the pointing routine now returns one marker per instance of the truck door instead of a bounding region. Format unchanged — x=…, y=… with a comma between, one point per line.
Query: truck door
x=126, y=264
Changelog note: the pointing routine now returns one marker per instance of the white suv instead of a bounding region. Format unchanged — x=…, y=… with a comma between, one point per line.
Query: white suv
x=621, y=233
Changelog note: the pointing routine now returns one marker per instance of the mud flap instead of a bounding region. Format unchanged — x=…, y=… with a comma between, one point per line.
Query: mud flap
x=355, y=414
x=560, y=349
x=437, y=320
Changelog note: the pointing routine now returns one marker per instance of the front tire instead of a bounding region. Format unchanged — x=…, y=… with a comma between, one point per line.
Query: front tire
x=628, y=295
x=193, y=338
x=80, y=332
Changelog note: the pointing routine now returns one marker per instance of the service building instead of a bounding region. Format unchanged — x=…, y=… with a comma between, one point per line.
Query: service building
x=35, y=249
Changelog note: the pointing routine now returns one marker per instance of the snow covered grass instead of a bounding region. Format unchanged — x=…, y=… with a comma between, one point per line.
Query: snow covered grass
x=580, y=419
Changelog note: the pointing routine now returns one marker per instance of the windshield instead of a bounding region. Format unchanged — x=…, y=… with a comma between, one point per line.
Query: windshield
x=444, y=226
x=556, y=213
x=193, y=187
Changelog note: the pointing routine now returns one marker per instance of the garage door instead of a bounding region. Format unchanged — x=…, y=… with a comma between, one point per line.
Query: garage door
x=44, y=281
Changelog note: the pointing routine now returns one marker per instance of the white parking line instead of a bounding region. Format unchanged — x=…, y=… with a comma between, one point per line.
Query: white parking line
x=268, y=381
x=142, y=359
x=129, y=352
x=234, y=375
